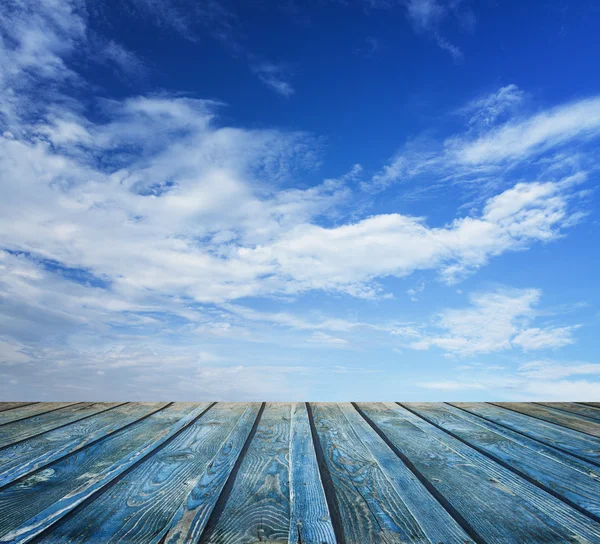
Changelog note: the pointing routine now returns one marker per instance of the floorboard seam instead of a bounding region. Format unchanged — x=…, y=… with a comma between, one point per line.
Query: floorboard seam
x=228, y=487
x=426, y=483
x=111, y=483
x=596, y=463
x=544, y=420
x=508, y=466
x=326, y=481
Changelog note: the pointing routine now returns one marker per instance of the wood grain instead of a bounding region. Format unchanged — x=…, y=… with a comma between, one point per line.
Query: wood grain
x=10, y=405
x=370, y=506
x=29, y=496
x=581, y=410
x=499, y=506
x=553, y=416
x=18, y=460
x=580, y=445
x=31, y=410
x=139, y=506
x=40, y=523
x=259, y=504
x=14, y=432
x=568, y=482
x=310, y=520
x=189, y=522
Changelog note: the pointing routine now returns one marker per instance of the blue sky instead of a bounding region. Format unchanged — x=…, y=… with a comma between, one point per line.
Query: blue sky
x=384, y=200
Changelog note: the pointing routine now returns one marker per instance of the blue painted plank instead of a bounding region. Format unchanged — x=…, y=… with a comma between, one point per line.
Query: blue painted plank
x=572, y=484
x=31, y=410
x=189, y=522
x=259, y=504
x=29, y=496
x=369, y=504
x=499, y=506
x=18, y=460
x=577, y=444
x=310, y=520
x=14, y=432
x=139, y=507
x=570, y=421
x=582, y=410
x=41, y=522
x=10, y=405
x=435, y=522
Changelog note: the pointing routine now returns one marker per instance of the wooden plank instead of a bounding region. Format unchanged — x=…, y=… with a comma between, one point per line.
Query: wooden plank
x=140, y=506
x=435, y=521
x=594, y=404
x=310, y=521
x=189, y=522
x=577, y=487
x=18, y=460
x=194, y=513
x=29, y=496
x=369, y=505
x=31, y=410
x=10, y=405
x=499, y=506
x=553, y=416
x=17, y=431
x=259, y=504
x=579, y=445
x=574, y=408
x=95, y=483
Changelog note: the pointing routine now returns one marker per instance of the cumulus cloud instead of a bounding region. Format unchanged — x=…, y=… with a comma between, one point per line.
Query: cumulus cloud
x=495, y=321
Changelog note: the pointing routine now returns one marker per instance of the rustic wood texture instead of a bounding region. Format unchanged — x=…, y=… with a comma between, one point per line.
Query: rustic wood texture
x=298, y=473
x=552, y=415
x=578, y=444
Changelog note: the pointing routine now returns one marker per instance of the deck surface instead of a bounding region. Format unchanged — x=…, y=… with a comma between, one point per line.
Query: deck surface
x=297, y=473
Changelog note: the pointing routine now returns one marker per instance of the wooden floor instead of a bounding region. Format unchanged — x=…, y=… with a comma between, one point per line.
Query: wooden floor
x=226, y=473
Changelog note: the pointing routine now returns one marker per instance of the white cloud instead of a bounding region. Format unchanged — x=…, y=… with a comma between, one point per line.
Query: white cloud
x=274, y=76
x=494, y=322
x=485, y=111
x=497, y=139
x=323, y=338
x=450, y=385
x=533, y=381
x=536, y=338
x=543, y=131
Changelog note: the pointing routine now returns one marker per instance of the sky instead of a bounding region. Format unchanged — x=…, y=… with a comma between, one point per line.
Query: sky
x=319, y=200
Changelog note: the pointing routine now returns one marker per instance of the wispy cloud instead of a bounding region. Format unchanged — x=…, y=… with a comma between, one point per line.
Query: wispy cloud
x=499, y=143
x=532, y=381
x=495, y=321
x=274, y=76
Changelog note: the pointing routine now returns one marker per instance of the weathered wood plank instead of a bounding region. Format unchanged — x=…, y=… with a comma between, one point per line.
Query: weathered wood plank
x=191, y=518
x=594, y=404
x=18, y=460
x=29, y=496
x=140, y=506
x=17, y=431
x=498, y=505
x=310, y=521
x=31, y=410
x=553, y=416
x=94, y=483
x=10, y=405
x=577, y=444
x=578, y=487
x=574, y=408
x=369, y=505
x=435, y=522
x=259, y=504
